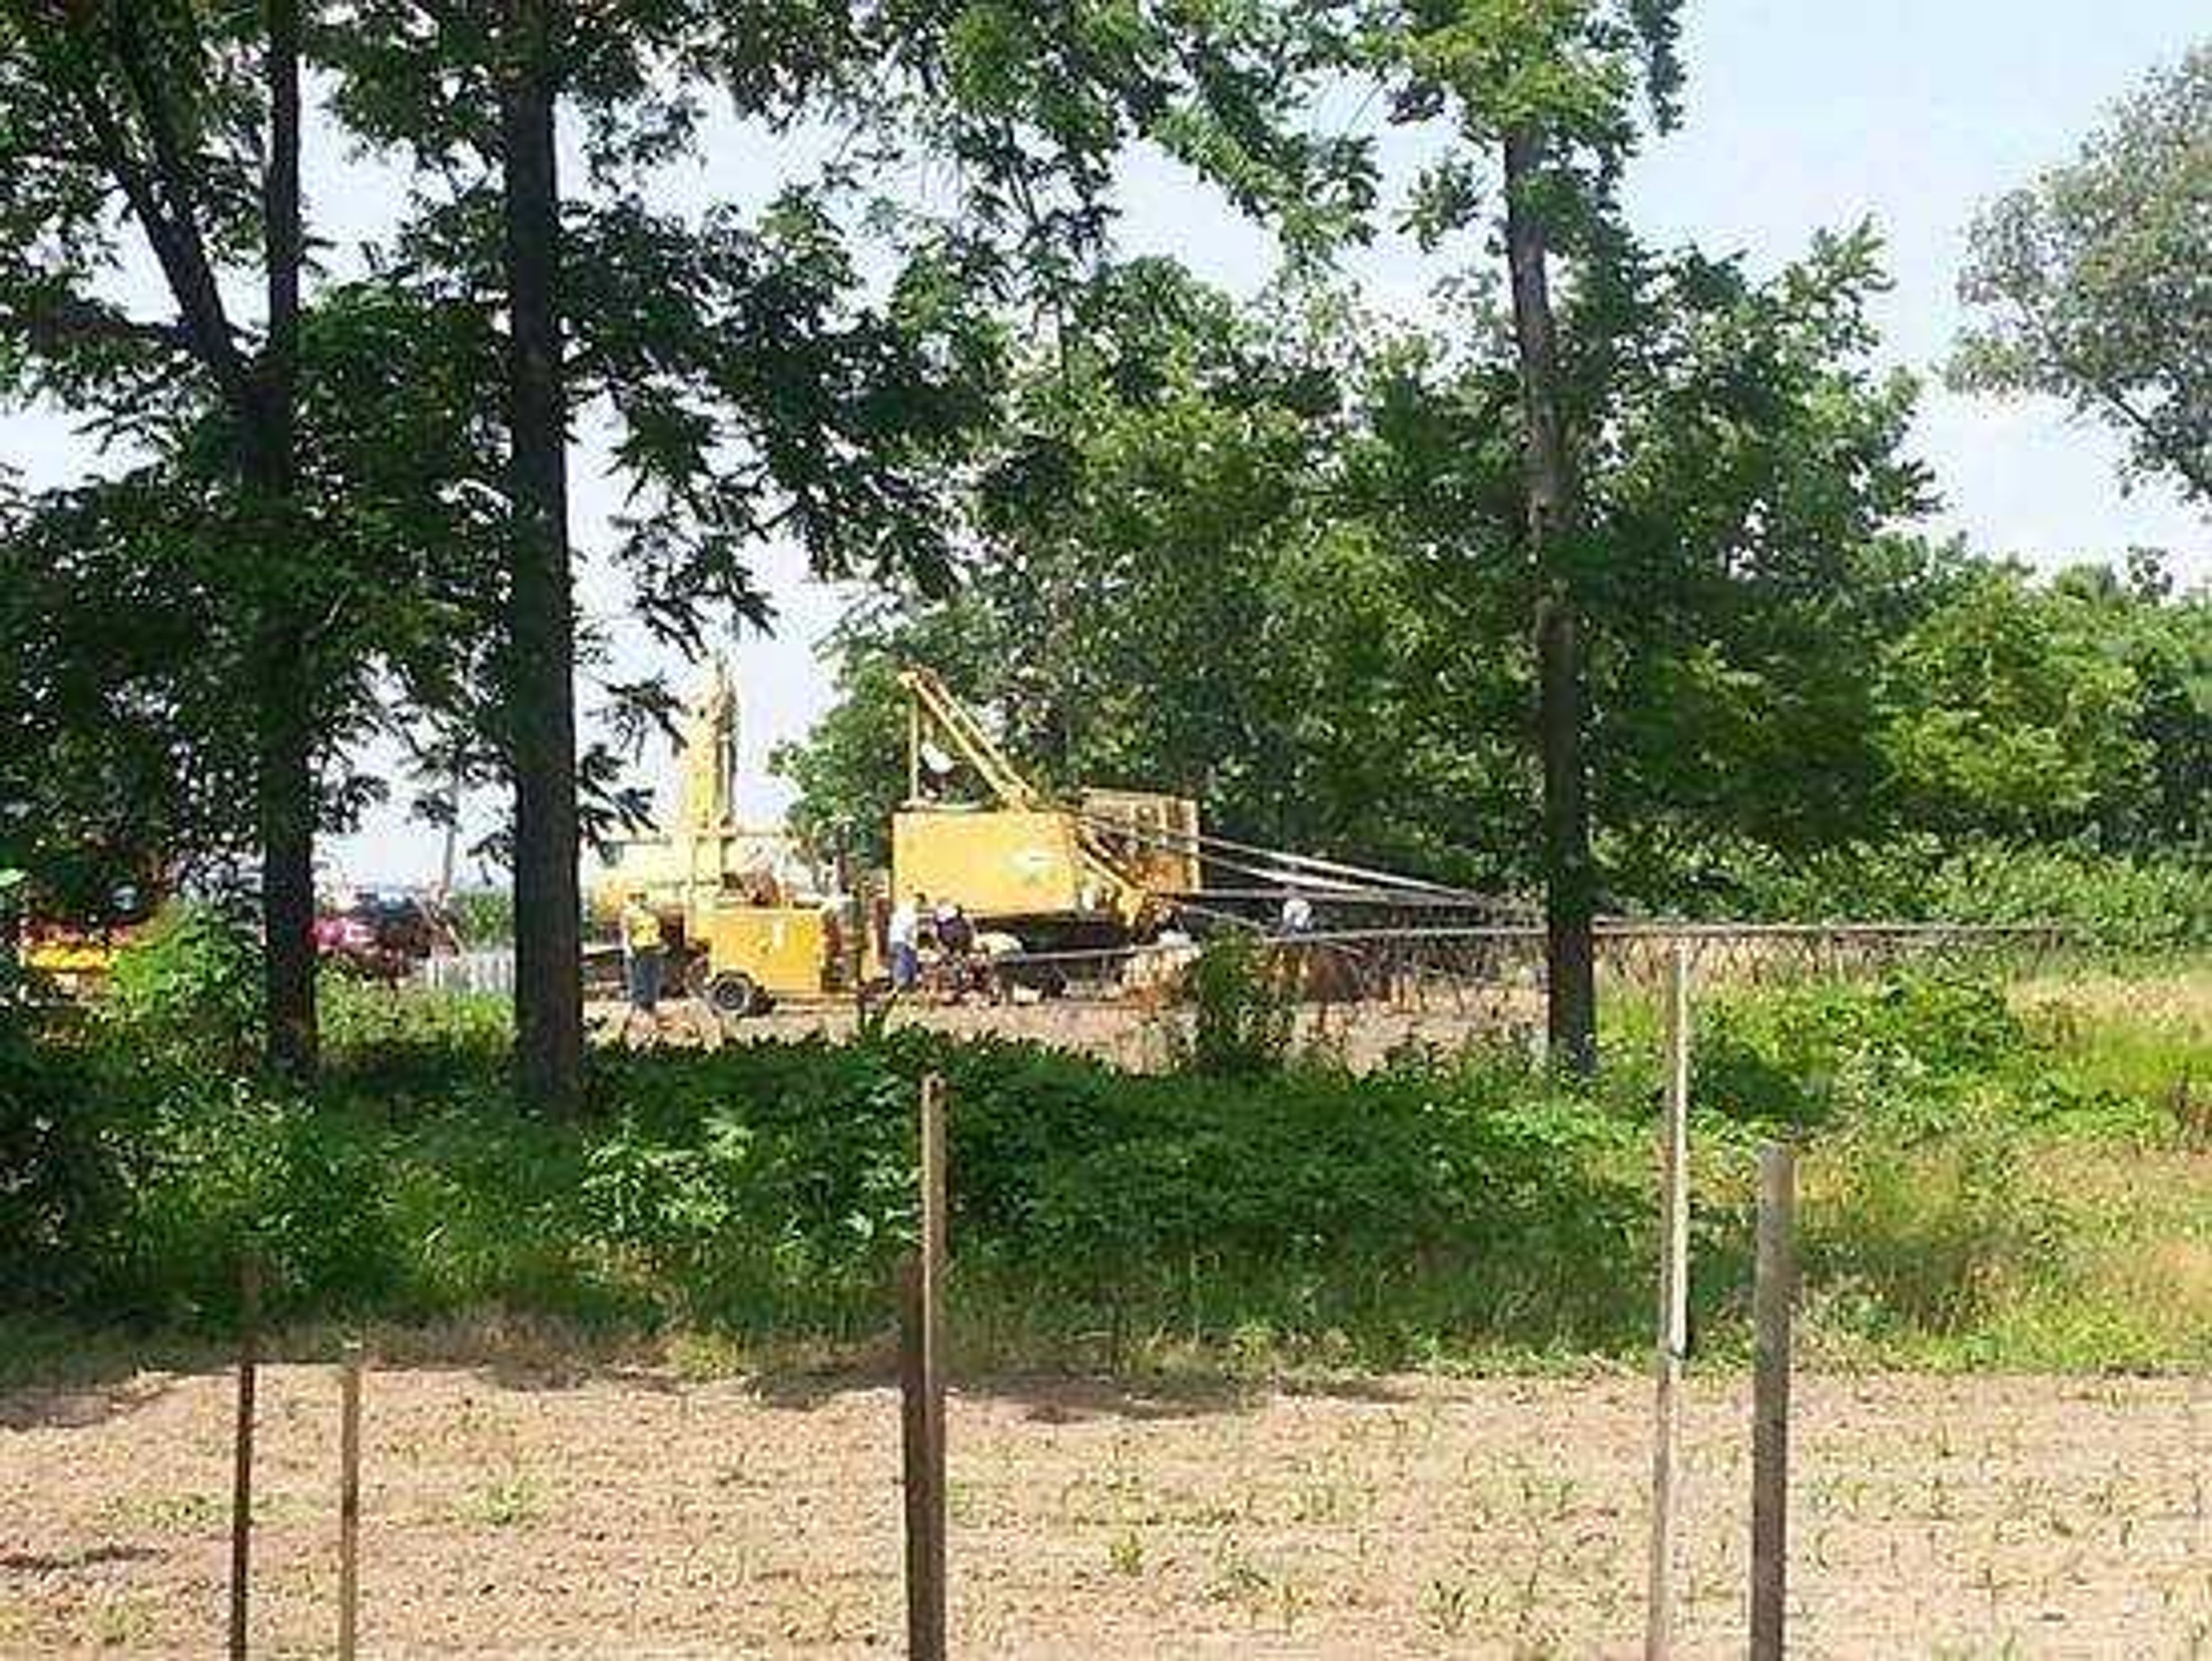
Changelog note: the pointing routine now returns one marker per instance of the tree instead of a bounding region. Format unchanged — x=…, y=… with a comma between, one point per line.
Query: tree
x=1271, y=556
x=2077, y=708
x=2092, y=285
x=540, y=644
x=187, y=125
x=120, y=739
x=1547, y=89
x=757, y=398
x=1747, y=479
x=429, y=90
x=126, y=752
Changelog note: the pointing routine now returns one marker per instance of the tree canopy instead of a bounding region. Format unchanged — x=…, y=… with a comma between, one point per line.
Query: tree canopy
x=1268, y=556
x=2092, y=285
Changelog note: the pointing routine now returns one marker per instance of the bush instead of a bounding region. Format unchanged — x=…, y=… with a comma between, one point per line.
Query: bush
x=1242, y=999
x=59, y=1187
x=1909, y=1237
x=482, y=916
x=2118, y=902
x=1439, y=1206
x=220, y=1171
x=2114, y=901
x=188, y=990
x=1905, y=1052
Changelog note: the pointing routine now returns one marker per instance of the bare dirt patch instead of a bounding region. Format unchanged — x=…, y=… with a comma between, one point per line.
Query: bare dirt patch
x=631, y=1512
x=1130, y=1034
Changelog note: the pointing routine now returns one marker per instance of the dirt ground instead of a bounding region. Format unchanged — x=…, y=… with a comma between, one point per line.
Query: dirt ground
x=1130, y=1034
x=520, y=1512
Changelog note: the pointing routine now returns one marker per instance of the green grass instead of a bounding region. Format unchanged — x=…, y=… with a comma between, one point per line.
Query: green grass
x=1990, y=1180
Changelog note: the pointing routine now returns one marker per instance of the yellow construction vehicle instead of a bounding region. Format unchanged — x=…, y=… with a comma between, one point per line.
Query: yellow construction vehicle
x=1098, y=869
x=746, y=926
x=1036, y=874
x=741, y=927
x=75, y=955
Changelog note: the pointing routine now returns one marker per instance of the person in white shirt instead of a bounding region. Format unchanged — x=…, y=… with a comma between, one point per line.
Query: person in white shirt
x=904, y=939
x=1297, y=913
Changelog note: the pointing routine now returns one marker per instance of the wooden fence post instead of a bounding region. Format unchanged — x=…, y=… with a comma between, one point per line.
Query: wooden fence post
x=349, y=1501
x=1773, y=1296
x=1674, y=1336
x=922, y=1381
x=242, y=1490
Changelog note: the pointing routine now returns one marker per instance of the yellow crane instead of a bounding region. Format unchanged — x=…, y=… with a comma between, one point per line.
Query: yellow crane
x=1047, y=871
x=1100, y=867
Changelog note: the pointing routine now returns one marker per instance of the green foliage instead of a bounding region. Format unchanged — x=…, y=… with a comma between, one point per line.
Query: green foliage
x=1243, y=998
x=2124, y=902
x=1785, y=686
x=1904, y=1055
x=481, y=916
x=59, y=1187
x=215, y=1172
x=2089, y=286
x=2013, y=714
x=1439, y=1206
x=850, y=771
x=1930, y=1240
x=188, y=989
x=125, y=742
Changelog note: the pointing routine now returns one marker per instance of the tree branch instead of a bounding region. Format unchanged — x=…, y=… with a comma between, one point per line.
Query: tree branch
x=282, y=240
x=182, y=250
x=2190, y=467
x=67, y=320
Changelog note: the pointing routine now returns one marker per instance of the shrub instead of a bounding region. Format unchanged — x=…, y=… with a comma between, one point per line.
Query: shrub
x=217, y=1170
x=188, y=990
x=1905, y=1050
x=2119, y=902
x=59, y=1190
x=1438, y=1205
x=482, y=916
x=1242, y=999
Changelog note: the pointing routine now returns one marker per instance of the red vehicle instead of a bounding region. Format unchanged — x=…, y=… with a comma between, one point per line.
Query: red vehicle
x=382, y=935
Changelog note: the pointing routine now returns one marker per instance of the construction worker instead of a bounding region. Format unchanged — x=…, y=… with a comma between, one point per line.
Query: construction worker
x=643, y=955
x=955, y=940
x=904, y=939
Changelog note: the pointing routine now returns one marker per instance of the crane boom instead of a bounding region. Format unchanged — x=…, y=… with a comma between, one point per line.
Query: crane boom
x=929, y=697
x=976, y=746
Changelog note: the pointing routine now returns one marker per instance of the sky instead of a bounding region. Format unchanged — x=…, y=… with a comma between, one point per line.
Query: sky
x=1908, y=113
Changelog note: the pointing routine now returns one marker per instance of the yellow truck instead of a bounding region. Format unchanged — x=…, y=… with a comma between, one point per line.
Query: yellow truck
x=739, y=929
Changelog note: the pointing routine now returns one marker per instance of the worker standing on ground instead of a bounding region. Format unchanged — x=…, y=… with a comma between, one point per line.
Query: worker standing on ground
x=904, y=939
x=643, y=955
x=955, y=940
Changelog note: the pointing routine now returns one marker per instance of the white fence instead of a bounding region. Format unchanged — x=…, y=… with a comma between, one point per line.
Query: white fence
x=487, y=971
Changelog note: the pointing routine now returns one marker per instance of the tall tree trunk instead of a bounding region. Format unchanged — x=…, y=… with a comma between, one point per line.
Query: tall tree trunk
x=285, y=794
x=541, y=717
x=1569, y=877
x=285, y=808
x=159, y=183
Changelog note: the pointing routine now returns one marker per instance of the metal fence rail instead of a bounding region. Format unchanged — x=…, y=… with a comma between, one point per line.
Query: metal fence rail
x=1427, y=964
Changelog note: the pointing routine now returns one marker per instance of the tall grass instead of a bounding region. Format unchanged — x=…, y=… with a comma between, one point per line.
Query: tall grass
x=1987, y=1181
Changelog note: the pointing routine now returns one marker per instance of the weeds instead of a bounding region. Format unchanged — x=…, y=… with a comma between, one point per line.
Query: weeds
x=1981, y=1185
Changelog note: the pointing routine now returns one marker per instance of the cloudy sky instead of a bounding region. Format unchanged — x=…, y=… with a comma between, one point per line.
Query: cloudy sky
x=1799, y=116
